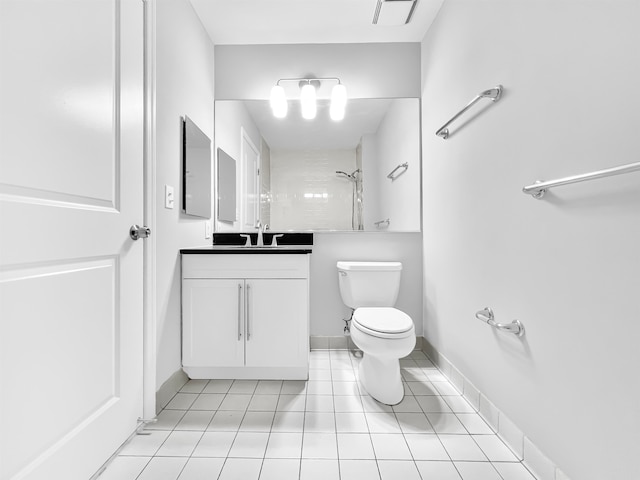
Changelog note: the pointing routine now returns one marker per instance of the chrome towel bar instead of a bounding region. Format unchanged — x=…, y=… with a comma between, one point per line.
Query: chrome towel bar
x=404, y=165
x=486, y=315
x=538, y=189
x=493, y=93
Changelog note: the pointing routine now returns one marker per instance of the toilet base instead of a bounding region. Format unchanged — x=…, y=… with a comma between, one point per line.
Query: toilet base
x=381, y=378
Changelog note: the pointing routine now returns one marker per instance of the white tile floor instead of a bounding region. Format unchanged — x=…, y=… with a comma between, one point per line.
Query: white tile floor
x=325, y=428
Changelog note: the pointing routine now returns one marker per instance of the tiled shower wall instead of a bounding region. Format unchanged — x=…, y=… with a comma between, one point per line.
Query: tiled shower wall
x=306, y=193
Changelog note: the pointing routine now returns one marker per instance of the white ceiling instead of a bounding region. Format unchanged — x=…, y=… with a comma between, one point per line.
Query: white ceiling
x=253, y=22
x=291, y=133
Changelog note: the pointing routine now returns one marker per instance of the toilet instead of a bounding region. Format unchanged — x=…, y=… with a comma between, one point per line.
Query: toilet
x=383, y=333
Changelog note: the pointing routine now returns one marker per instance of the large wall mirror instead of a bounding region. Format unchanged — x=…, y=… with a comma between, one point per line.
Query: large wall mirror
x=359, y=174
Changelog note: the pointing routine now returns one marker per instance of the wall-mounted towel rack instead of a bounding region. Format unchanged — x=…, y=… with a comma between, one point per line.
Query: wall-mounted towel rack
x=493, y=93
x=391, y=175
x=487, y=316
x=538, y=189
x=379, y=224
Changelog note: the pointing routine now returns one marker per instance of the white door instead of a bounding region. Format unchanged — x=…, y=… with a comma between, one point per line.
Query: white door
x=212, y=322
x=276, y=321
x=71, y=118
x=250, y=200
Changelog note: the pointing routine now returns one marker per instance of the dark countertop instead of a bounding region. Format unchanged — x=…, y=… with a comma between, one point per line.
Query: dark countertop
x=242, y=250
x=233, y=243
x=303, y=239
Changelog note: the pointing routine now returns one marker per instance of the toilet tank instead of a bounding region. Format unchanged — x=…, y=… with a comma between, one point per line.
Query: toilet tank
x=369, y=284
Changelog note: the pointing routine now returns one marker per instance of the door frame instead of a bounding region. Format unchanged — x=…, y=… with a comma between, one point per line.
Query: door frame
x=149, y=288
x=244, y=137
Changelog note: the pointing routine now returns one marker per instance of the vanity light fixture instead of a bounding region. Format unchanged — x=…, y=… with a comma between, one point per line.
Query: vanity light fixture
x=394, y=12
x=308, y=100
x=278, y=102
x=338, y=102
x=308, y=95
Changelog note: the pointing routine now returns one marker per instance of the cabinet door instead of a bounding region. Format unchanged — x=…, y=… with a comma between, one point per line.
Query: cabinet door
x=276, y=322
x=212, y=316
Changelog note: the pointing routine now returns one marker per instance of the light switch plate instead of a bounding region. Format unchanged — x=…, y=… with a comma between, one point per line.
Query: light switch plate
x=168, y=196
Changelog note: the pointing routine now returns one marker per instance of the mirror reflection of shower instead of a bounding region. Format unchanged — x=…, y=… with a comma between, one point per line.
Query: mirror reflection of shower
x=355, y=178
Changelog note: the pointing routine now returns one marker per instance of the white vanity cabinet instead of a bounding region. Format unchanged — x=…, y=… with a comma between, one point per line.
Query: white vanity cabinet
x=245, y=316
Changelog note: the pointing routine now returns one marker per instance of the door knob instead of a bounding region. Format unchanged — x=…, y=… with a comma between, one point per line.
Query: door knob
x=136, y=232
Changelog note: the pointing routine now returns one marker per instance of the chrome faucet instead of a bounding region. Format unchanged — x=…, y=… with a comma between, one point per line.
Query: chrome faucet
x=260, y=242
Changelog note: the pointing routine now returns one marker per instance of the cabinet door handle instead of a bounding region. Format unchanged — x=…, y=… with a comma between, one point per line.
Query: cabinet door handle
x=239, y=311
x=248, y=312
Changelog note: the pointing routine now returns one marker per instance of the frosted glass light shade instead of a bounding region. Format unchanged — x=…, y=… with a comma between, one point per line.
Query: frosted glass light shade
x=338, y=102
x=339, y=95
x=336, y=112
x=278, y=102
x=308, y=101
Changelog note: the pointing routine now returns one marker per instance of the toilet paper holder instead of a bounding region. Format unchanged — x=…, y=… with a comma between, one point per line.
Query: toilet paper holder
x=487, y=316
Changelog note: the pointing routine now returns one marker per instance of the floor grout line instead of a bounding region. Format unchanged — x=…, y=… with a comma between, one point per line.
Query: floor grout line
x=336, y=368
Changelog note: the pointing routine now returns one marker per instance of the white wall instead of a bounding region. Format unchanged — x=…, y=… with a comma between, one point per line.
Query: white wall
x=398, y=142
x=306, y=193
x=327, y=309
x=368, y=70
x=265, y=182
x=371, y=181
x=381, y=70
x=567, y=266
x=228, y=138
x=184, y=85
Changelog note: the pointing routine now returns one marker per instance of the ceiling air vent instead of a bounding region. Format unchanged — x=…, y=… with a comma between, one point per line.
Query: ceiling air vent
x=393, y=12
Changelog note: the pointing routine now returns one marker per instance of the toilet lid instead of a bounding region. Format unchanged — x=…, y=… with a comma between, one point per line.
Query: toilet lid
x=383, y=319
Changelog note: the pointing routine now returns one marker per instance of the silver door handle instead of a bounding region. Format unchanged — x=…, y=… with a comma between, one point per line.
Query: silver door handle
x=239, y=311
x=136, y=232
x=248, y=312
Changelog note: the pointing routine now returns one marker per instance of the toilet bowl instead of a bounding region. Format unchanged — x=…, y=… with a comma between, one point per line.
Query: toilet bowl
x=383, y=333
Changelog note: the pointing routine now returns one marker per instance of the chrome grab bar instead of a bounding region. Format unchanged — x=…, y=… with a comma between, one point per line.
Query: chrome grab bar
x=404, y=165
x=487, y=316
x=378, y=224
x=538, y=189
x=494, y=94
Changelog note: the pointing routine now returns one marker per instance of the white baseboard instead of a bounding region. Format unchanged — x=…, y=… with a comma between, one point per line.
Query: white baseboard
x=169, y=388
x=539, y=464
x=341, y=342
x=249, y=373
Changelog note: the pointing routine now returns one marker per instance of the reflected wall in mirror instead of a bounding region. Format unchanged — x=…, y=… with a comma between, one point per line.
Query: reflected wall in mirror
x=196, y=158
x=226, y=187
x=325, y=175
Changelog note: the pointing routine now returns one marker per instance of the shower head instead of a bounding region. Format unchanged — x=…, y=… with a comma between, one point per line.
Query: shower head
x=350, y=176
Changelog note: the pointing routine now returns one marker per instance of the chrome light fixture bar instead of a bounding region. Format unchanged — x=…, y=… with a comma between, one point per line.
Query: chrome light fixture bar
x=394, y=12
x=308, y=89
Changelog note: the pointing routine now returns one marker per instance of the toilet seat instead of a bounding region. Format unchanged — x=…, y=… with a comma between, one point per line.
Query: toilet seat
x=383, y=322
